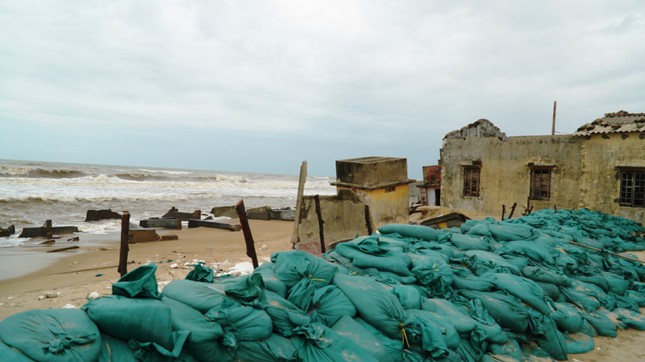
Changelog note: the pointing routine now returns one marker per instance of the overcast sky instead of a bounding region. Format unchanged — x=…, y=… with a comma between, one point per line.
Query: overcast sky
x=260, y=86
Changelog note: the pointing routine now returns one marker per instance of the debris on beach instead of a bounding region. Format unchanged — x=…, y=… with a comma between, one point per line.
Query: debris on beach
x=541, y=286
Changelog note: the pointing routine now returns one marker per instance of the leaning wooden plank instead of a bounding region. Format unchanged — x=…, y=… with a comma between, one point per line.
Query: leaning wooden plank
x=63, y=249
x=194, y=223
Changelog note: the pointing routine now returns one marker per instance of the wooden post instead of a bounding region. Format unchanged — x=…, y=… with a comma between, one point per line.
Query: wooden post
x=503, y=211
x=510, y=214
x=123, y=250
x=246, y=230
x=295, y=238
x=368, y=220
x=321, y=230
x=555, y=106
x=48, y=229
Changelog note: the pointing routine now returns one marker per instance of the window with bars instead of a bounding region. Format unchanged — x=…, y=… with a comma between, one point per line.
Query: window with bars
x=632, y=187
x=540, y=188
x=471, y=180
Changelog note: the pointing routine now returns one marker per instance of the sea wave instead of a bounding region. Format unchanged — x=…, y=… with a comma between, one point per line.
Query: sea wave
x=6, y=171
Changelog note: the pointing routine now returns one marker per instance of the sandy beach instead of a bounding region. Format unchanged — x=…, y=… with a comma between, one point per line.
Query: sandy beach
x=93, y=268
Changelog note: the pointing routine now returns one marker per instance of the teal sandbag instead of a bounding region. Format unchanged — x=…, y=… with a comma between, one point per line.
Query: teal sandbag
x=547, y=335
x=432, y=323
x=274, y=348
x=247, y=289
x=458, y=316
x=436, y=247
x=138, y=283
x=477, y=227
x=115, y=350
x=524, y=289
x=144, y=320
x=432, y=271
x=579, y=343
x=601, y=323
x=467, y=242
x=409, y=296
x=328, y=304
x=329, y=346
x=550, y=290
x=200, y=273
x=464, y=279
x=544, y=275
x=11, y=354
x=606, y=300
x=204, y=333
x=630, y=318
x=510, y=350
x=481, y=262
x=510, y=232
x=294, y=265
x=51, y=335
x=528, y=248
x=393, y=347
x=580, y=299
x=508, y=311
x=241, y=323
x=200, y=296
x=286, y=318
x=487, y=328
x=391, y=261
x=373, y=303
x=348, y=328
x=567, y=317
x=271, y=282
x=411, y=231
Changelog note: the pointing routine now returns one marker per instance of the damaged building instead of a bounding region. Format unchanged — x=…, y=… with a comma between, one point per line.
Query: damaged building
x=601, y=167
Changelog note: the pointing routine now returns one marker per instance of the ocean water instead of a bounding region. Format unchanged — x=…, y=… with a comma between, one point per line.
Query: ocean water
x=32, y=192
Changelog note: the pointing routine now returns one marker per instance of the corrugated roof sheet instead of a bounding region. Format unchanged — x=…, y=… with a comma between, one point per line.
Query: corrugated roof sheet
x=617, y=122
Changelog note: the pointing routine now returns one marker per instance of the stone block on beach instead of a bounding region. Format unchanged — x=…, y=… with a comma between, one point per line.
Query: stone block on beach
x=173, y=213
x=96, y=215
x=8, y=231
x=225, y=211
x=161, y=223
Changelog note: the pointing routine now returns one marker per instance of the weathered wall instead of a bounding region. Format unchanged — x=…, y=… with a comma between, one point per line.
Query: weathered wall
x=387, y=206
x=600, y=186
x=343, y=219
x=505, y=172
x=585, y=172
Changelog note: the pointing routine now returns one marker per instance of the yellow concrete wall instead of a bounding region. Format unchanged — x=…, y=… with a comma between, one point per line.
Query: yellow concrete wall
x=600, y=185
x=387, y=207
x=584, y=173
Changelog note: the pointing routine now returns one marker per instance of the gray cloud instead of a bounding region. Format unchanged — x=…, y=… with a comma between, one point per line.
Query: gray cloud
x=265, y=85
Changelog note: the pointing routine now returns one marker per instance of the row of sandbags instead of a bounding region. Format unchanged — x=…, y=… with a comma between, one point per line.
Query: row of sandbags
x=487, y=290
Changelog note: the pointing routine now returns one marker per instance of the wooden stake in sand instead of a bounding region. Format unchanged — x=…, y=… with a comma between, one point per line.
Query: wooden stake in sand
x=295, y=238
x=123, y=251
x=246, y=229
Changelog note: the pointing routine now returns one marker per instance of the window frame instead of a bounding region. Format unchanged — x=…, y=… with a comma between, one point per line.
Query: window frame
x=539, y=189
x=631, y=186
x=471, y=175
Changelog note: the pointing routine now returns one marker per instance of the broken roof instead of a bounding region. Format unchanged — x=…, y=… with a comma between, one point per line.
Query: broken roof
x=480, y=128
x=617, y=122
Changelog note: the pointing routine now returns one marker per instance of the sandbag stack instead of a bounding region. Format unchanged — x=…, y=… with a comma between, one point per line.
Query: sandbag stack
x=485, y=291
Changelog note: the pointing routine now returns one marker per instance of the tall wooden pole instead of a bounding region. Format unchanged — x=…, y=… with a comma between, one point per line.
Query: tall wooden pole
x=246, y=229
x=295, y=238
x=555, y=107
x=321, y=222
x=123, y=251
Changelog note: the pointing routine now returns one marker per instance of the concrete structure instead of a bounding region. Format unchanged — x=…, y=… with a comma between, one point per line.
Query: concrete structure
x=377, y=184
x=600, y=167
x=431, y=186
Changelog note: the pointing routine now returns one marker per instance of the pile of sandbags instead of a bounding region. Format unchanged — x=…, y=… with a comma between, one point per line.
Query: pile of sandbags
x=485, y=291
